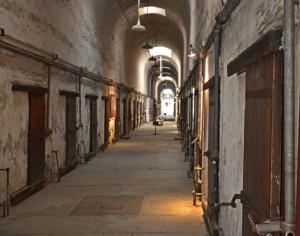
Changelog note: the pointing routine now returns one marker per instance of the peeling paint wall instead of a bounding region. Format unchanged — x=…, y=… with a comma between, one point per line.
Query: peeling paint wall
x=74, y=31
x=259, y=17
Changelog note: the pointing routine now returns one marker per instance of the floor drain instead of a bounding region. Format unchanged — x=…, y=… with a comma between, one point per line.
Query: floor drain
x=108, y=205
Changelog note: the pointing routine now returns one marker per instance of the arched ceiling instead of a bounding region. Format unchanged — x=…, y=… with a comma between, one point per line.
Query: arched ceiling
x=171, y=31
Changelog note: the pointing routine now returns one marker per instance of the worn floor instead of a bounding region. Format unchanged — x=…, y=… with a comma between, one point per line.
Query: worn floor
x=136, y=187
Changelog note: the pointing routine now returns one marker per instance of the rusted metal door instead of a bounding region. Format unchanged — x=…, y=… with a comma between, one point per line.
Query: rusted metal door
x=262, y=151
x=93, y=125
x=70, y=130
x=36, y=138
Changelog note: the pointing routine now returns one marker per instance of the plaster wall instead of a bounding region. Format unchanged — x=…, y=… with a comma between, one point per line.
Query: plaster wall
x=260, y=17
x=67, y=28
x=72, y=29
x=14, y=111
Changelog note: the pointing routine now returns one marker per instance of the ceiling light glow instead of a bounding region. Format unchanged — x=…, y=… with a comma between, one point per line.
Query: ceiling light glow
x=160, y=51
x=152, y=10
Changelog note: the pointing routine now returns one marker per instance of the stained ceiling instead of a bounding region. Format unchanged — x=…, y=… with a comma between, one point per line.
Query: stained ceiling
x=171, y=31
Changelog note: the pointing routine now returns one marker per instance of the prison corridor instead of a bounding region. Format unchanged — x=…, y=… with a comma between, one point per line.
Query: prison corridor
x=138, y=186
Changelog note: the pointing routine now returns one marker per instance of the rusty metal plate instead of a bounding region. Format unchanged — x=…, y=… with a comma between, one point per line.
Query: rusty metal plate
x=109, y=205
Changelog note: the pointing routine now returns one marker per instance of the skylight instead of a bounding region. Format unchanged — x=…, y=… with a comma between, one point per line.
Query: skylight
x=161, y=51
x=152, y=10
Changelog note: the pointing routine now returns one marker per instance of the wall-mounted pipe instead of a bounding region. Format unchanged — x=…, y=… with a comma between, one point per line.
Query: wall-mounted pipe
x=214, y=38
x=65, y=66
x=289, y=116
x=224, y=15
x=216, y=128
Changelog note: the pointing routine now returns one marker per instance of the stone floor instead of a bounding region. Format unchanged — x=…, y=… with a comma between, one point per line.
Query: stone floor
x=136, y=187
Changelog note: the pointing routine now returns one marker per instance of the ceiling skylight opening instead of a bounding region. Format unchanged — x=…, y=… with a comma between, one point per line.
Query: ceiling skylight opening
x=160, y=51
x=152, y=10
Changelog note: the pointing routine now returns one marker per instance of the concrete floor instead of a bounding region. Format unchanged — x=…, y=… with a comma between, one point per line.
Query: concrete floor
x=136, y=187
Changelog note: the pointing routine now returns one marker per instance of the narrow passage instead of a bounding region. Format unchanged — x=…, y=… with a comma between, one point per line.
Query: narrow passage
x=137, y=186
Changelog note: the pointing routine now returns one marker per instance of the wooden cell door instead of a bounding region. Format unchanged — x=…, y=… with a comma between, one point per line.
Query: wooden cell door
x=262, y=150
x=36, y=138
x=70, y=130
x=93, y=125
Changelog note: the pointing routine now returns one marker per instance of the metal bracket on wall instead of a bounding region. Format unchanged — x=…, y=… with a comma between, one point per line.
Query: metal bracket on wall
x=211, y=157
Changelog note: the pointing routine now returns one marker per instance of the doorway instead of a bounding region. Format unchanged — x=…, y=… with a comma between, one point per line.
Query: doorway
x=262, y=150
x=70, y=130
x=36, y=138
x=93, y=124
x=124, y=117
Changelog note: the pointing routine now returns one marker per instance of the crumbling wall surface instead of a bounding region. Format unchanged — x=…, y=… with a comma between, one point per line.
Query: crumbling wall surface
x=77, y=33
x=14, y=109
x=249, y=22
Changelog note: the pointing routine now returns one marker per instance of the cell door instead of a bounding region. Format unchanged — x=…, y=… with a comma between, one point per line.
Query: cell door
x=129, y=115
x=134, y=114
x=70, y=130
x=124, y=117
x=36, y=139
x=93, y=125
x=118, y=119
x=106, y=121
x=262, y=150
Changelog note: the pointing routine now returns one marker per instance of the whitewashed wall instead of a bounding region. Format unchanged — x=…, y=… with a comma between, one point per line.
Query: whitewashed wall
x=74, y=31
x=249, y=22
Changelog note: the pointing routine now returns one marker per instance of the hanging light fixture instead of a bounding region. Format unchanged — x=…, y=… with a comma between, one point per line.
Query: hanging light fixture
x=147, y=46
x=192, y=51
x=138, y=27
x=152, y=58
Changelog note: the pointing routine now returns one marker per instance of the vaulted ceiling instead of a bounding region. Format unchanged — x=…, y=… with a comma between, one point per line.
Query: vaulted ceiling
x=171, y=31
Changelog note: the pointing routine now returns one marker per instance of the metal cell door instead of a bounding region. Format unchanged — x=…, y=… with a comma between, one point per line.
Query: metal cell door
x=93, y=125
x=70, y=130
x=36, y=139
x=262, y=151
